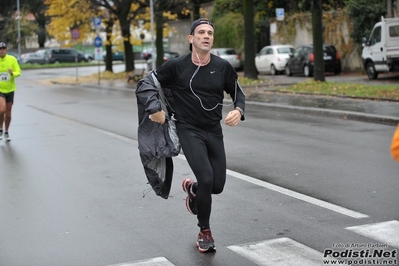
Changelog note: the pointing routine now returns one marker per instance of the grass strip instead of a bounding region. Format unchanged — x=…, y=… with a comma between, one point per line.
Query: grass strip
x=345, y=89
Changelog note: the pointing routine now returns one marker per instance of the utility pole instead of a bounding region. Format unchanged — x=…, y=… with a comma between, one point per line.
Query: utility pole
x=152, y=34
x=19, y=29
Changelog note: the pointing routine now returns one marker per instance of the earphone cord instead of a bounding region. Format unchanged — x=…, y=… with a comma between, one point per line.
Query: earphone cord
x=218, y=104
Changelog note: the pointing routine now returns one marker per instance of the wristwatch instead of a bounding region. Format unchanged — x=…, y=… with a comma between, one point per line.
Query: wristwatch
x=240, y=110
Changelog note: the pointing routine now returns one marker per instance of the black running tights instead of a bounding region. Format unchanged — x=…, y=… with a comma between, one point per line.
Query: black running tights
x=203, y=148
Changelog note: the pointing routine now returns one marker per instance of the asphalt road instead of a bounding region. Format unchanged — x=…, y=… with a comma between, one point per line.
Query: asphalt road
x=71, y=187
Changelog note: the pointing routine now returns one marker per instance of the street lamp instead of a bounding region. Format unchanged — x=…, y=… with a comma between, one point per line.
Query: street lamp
x=19, y=30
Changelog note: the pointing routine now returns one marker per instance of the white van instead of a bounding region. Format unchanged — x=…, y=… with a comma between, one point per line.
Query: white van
x=381, y=51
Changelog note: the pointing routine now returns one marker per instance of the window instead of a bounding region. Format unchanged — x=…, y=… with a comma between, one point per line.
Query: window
x=285, y=50
x=329, y=49
x=301, y=51
x=394, y=31
x=226, y=52
x=66, y=52
x=376, y=36
x=262, y=52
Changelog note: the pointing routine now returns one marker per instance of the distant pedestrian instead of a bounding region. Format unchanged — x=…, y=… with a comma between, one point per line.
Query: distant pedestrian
x=198, y=81
x=395, y=144
x=9, y=70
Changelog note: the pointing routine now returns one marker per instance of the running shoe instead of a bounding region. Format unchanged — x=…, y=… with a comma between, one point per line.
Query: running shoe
x=205, y=242
x=7, y=136
x=191, y=204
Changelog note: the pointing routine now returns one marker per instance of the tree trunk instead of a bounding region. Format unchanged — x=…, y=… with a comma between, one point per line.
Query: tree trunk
x=159, y=38
x=317, y=22
x=249, y=36
x=41, y=31
x=41, y=34
x=108, y=46
x=128, y=47
x=196, y=9
x=389, y=9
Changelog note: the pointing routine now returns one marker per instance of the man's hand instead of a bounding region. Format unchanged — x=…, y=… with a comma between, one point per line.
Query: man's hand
x=10, y=71
x=233, y=118
x=158, y=117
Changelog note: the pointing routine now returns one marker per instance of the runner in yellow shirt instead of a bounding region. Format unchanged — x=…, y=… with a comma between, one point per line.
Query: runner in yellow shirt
x=9, y=70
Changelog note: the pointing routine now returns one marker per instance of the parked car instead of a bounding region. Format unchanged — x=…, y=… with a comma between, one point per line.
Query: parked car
x=89, y=56
x=230, y=55
x=146, y=54
x=38, y=57
x=116, y=56
x=169, y=55
x=302, y=61
x=273, y=59
x=63, y=55
x=166, y=57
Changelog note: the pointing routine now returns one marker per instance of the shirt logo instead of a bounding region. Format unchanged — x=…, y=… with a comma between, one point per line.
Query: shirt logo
x=213, y=72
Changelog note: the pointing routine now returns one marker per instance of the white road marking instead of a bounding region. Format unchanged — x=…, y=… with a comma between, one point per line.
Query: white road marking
x=160, y=261
x=385, y=232
x=297, y=195
x=279, y=252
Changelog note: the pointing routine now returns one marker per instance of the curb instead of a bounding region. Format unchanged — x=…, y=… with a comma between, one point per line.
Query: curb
x=336, y=96
x=348, y=115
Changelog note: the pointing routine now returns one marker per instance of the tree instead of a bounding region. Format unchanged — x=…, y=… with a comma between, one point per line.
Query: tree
x=109, y=25
x=228, y=19
x=364, y=14
x=121, y=10
x=38, y=9
x=317, y=14
x=160, y=6
x=125, y=11
x=249, y=64
x=389, y=9
x=7, y=13
x=162, y=12
x=7, y=7
x=10, y=32
x=65, y=16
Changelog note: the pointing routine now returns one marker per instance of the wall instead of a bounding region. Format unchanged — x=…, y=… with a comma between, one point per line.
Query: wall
x=177, y=40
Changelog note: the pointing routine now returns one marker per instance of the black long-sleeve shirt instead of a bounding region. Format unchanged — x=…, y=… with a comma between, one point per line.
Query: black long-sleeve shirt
x=199, y=102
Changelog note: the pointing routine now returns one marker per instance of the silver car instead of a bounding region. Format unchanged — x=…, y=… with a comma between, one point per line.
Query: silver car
x=38, y=57
x=230, y=55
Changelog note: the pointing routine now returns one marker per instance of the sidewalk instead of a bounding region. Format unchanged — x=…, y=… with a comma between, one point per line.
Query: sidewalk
x=385, y=112
x=368, y=110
